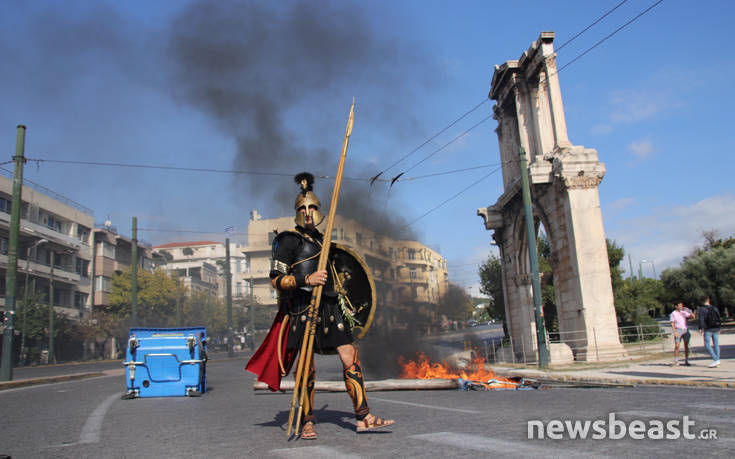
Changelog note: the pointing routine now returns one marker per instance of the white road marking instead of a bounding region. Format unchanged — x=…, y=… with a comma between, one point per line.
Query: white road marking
x=313, y=451
x=421, y=405
x=92, y=426
x=493, y=446
x=91, y=429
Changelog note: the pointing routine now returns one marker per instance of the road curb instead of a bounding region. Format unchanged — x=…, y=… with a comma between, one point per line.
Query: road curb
x=61, y=378
x=571, y=379
x=48, y=379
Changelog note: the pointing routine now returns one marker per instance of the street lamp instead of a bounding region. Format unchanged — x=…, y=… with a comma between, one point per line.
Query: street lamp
x=652, y=264
x=34, y=247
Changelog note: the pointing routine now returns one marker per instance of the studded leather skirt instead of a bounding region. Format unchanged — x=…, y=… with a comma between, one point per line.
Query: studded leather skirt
x=331, y=330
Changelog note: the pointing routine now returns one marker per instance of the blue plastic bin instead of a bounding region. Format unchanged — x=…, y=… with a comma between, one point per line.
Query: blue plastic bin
x=166, y=362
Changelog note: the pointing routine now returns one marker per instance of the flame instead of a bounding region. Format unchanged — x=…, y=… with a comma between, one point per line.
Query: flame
x=477, y=373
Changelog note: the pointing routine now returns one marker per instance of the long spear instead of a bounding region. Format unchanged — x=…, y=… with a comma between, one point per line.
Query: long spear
x=307, y=343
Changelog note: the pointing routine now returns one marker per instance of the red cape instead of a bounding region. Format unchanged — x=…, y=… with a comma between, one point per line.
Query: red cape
x=264, y=363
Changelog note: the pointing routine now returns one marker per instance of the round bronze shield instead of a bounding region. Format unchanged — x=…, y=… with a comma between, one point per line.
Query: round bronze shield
x=357, y=286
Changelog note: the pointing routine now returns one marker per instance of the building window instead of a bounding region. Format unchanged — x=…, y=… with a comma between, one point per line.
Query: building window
x=107, y=249
x=82, y=266
x=248, y=288
x=83, y=233
x=412, y=273
x=246, y=262
x=80, y=300
x=54, y=224
x=4, y=245
x=358, y=238
x=5, y=205
x=102, y=283
x=238, y=287
x=411, y=254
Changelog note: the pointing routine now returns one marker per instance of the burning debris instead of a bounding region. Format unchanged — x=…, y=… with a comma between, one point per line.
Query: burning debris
x=425, y=375
x=476, y=376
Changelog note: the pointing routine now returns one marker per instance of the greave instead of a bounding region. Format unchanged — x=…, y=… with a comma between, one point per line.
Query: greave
x=308, y=410
x=356, y=388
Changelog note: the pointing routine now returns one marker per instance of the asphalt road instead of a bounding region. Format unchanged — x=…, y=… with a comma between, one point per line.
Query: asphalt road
x=87, y=418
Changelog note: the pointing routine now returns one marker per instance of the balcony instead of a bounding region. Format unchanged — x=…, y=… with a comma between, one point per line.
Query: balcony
x=28, y=228
x=61, y=272
x=416, y=279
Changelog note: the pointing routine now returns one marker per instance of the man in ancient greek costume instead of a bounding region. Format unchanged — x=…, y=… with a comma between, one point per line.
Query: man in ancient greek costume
x=294, y=274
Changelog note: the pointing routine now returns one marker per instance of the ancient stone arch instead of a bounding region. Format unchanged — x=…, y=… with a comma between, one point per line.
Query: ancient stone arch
x=564, y=179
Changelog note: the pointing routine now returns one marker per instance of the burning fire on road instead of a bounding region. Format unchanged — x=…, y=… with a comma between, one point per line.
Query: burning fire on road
x=475, y=377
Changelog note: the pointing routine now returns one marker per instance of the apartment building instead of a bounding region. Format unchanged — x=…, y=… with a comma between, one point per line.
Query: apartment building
x=408, y=275
x=53, y=247
x=112, y=253
x=200, y=266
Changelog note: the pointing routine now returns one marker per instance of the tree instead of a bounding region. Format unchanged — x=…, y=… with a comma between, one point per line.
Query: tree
x=205, y=309
x=491, y=284
x=636, y=300
x=156, y=297
x=546, y=273
x=711, y=272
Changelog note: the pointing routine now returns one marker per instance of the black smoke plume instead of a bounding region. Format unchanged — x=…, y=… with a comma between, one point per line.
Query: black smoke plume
x=260, y=70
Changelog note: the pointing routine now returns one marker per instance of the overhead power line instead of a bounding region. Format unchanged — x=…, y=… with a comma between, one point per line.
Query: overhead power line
x=449, y=143
x=434, y=136
x=407, y=179
x=453, y=196
x=608, y=36
x=375, y=177
x=590, y=26
x=151, y=166
x=226, y=171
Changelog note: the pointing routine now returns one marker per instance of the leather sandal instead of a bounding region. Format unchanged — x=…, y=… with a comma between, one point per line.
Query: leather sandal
x=372, y=422
x=308, y=432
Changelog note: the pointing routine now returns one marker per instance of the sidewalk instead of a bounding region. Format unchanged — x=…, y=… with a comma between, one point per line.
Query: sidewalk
x=655, y=371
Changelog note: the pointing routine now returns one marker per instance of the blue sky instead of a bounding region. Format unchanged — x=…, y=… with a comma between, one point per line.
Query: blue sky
x=132, y=82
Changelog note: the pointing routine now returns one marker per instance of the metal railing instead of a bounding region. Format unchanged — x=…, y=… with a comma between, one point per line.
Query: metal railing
x=638, y=341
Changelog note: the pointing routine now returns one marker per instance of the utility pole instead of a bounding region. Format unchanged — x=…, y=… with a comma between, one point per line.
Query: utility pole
x=630, y=262
x=543, y=350
x=26, y=296
x=6, y=364
x=134, y=276
x=51, y=310
x=252, y=306
x=228, y=280
x=179, y=320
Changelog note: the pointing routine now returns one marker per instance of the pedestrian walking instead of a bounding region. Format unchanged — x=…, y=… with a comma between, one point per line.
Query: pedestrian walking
x=709, y=325
x=678, y=319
